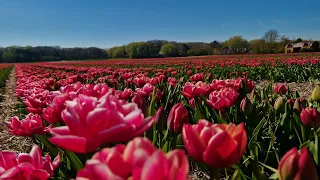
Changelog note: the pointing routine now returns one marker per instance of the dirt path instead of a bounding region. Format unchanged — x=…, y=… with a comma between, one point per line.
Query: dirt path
x=7, y=109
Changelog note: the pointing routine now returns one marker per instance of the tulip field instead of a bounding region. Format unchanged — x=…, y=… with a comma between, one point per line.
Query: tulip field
x=166, y=119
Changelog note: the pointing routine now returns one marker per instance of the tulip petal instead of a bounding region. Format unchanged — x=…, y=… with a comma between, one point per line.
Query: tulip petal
x=194, y=144
x=8, y=159
x=75, y=143
x=221, y=151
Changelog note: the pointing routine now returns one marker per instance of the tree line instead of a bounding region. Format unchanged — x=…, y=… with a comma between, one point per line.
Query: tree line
x=270, y=42
x=49, y=53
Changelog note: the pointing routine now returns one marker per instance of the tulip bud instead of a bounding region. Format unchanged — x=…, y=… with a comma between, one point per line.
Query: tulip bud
x=315, y=96
x=296, y=165
x=279, y=105
x=310, y=117
x=246, y=106
x=178, y=116
x=299, y=104
x=142, y=104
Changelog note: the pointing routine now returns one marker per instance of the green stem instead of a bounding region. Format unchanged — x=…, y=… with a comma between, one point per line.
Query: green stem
x=303, y=132
x=215, y=174
x=174, y=141
x=316, y=156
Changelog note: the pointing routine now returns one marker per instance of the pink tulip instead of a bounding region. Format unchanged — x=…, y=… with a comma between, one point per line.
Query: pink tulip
x=27, y=166
x=52, y=114
x=195, y=90
x=138, y=160
x=126, y=94
x=29, y=126
x=91, y=123
x=294, y=165
x=196, y=77
x=218, y=145
x=222, y=99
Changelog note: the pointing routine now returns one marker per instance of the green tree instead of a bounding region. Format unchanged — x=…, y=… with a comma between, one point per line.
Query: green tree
x=169, y=50
x=237, y=42
x=298, y=40
x=258, y=46
x=9, y=55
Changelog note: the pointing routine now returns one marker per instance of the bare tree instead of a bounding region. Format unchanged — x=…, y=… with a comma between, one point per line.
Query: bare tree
x=271, y=36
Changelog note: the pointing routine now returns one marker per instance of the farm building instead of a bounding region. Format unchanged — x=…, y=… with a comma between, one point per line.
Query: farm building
x=298, y=47
x=227, y=50
x=230, y=50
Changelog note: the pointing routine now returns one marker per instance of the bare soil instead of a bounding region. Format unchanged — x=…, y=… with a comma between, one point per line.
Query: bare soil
x=7, y=110
x=303, y=88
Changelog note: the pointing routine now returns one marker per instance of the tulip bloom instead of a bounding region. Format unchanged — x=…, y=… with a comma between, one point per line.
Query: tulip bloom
x=178, y=116
x=27, y=166
x=138, y=160
x=124, y=95
x=294, y=165
x=222, y=99
x=29, y=126
x=310, y=117
x=218, y=145
x=52, y=114
x=195, y=90
x=91, y=123
x=280, y=88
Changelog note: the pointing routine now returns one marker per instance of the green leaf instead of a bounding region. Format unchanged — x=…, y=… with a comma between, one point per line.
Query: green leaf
x=76, y=163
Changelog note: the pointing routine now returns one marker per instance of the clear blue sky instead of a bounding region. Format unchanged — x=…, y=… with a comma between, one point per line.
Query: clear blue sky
x=106, y=23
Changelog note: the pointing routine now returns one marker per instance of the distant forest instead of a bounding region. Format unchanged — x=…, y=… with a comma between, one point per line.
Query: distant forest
x=271, y=42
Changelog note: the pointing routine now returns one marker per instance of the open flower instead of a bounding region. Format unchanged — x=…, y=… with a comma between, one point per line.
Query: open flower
x=222, y=99
x=29, y=126
x=91, y=123
x=138, y=160
x=195, y=90
x=27, y=166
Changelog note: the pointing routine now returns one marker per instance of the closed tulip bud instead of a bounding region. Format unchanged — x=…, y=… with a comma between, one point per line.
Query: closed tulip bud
x=299, y=104
x=178, y=116
x=279, y=105
x=246, y=106
x=310, y=117
x=217, y=145
x=295, y=165
x=315, y=96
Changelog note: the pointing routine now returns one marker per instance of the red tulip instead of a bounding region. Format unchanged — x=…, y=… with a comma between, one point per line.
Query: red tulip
x=218, y=145
x=222, y=99
x=145, y=91
x=196, y=77
x=91, y=123
x=178, y=116
x=310, y=117
x=195, y=90
x=27, y=166
x=142, y=104
x=126, y=94
x=172, y=81
x=280, y=88
x=29, y=126
x=294, y=165
x=138, y=160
